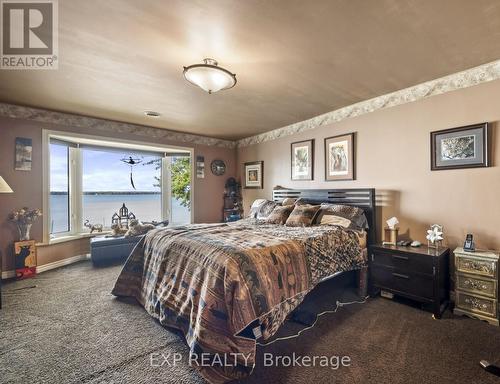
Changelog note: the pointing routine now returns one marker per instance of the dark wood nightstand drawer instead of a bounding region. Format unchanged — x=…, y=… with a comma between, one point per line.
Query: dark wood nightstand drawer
x=404, y=262
x=403, y=281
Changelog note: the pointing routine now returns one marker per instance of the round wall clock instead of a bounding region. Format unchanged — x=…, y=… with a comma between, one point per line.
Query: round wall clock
x=218, y=167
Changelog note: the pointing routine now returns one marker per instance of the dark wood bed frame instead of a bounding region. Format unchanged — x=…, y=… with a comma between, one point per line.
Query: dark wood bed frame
x=363, y=198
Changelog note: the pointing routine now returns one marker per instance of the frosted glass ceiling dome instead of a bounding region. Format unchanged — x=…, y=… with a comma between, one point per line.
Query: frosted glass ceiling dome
x=209, y=76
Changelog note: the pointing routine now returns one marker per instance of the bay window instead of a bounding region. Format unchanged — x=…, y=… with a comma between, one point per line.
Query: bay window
x=89, y=180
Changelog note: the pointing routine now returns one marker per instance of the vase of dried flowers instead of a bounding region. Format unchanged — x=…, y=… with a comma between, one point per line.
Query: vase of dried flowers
x=24, y=219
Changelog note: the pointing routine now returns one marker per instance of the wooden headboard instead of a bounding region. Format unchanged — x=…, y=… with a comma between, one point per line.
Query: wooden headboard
x=360, y=197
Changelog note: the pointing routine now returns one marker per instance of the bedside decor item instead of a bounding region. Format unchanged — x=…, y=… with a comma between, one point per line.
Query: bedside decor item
x=415, y=244
x=200, y=167
x=123, y=217
x=476, y=284
x=391, y=232
x=302, y=160
x=462, y=147
x=24, y=154
x=419, y=274
x=339, y=157
x=218, y=167
x=209, y=76
x=390, y=236
x=254, y=175
x=434, y=236
x=24, y=219
x=25, y=256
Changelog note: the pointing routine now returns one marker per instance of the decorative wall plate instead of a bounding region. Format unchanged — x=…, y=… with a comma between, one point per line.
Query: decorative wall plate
x=218, y=167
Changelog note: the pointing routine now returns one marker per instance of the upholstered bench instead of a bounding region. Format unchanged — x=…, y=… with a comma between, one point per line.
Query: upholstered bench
x=109, y=250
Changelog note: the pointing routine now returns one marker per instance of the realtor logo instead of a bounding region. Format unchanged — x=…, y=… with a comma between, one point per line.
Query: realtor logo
x=29, y=34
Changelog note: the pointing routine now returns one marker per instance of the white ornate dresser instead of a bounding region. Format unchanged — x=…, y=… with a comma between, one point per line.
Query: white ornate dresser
x=476, y=284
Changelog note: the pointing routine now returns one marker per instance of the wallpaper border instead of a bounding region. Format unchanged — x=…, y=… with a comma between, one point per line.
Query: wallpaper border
x=62, y=118
x=468, y=78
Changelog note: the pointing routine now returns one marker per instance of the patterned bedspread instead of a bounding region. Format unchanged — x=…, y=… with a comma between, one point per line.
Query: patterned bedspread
x=216, y=281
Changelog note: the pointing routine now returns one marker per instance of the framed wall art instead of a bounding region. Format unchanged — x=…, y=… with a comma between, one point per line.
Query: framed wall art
x=24, y=150
x=302, y=160
x=254, y=175
x=461, y=147
x=339, y=157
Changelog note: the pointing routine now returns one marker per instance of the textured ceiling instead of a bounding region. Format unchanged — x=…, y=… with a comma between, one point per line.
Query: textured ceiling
x=293, y=59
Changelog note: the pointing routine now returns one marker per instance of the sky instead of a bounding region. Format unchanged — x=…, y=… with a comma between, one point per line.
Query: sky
x=102, y=171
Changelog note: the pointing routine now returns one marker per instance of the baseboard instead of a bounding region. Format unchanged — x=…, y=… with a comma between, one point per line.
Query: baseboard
x=49, y=266
x=8, y=274
x=61, y=263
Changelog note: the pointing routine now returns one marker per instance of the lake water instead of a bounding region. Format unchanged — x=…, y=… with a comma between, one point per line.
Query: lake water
x=99, y=208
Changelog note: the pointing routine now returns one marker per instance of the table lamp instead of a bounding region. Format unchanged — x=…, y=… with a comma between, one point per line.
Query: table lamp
x=4, y=188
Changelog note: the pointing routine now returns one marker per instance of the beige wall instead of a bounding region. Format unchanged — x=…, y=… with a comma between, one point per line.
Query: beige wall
x=393, y=156
x=28, y=185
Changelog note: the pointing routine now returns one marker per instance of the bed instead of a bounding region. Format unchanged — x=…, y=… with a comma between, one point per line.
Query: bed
x=227, y=285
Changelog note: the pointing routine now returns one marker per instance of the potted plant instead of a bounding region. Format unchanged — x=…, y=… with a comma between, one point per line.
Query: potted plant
x=24, y=219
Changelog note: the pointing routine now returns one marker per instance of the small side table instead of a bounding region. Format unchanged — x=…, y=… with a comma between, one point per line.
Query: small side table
x=419, y=274
x=476, y=284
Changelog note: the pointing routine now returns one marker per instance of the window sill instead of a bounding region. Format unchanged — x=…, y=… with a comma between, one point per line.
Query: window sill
x=65, y=239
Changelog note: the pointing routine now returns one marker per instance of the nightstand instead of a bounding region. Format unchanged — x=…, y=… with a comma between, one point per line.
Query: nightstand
x=476, y=284
x=420, y=274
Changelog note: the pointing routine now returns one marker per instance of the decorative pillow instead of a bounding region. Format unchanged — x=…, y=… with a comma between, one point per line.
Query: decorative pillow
x=254, y=209
x=336, y=220
x=279, y=214
x=302, y=215
x=355, y=214
x=266, y=209
x=288, y=201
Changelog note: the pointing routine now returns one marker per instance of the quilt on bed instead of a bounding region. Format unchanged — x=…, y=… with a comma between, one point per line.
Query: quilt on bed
x=214, y=281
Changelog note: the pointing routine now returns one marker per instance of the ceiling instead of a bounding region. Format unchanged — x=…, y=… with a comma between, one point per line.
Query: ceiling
x=293, y=59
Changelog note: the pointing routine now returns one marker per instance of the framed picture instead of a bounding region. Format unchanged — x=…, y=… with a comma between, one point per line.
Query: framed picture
x=200, y=167
x=25, y=256
x=462, y=147
x=24, y=150
x=302, y=154
x=254, y=175
x=339, y=157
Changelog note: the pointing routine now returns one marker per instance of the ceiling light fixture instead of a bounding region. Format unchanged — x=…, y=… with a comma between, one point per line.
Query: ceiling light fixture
x=152, y=114
x=209, y=76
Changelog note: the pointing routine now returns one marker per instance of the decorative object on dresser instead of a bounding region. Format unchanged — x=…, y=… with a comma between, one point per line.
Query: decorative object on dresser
x=420, y=274
x=462, y=147
x=233, y=206
x=254, y=175
x=391, y=232
x=339, y=157
x=218, y=167
x=4, y=188
x=302, y=160
x=476, y=284
x=434, y=236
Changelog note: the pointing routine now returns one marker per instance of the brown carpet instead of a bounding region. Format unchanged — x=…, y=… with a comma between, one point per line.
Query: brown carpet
x=70, y=329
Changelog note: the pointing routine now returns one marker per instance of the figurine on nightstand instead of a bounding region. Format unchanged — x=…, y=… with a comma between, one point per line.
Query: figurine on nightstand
x=434, y=236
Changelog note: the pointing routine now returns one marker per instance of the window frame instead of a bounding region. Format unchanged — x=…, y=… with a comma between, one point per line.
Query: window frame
x=77, y=230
